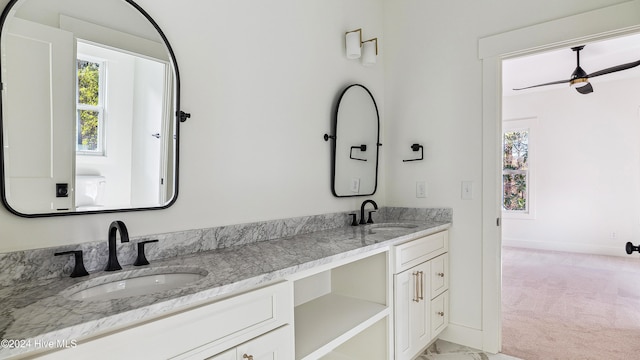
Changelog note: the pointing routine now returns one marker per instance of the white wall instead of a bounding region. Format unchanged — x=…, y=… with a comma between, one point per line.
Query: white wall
x=433, y=87
x=97, y=12
x=587, y=168
x=259, y=79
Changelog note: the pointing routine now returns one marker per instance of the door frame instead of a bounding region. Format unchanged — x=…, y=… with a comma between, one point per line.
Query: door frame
x=613, y=21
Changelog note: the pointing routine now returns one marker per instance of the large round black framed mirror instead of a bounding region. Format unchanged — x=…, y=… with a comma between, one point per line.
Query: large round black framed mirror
x=90, y=109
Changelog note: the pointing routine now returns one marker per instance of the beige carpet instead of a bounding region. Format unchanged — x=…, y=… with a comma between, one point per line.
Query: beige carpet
x=570, y=306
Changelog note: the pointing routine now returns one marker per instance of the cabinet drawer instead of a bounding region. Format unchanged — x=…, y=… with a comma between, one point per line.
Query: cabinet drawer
x=439, y=313
x=420, y=250
x=439, y=275
x=227, y=355
x=199, y=332
x=275, y=345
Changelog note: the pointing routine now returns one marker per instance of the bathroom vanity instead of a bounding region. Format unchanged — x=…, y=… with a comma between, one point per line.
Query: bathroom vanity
x=369, y=291
x=376, y=291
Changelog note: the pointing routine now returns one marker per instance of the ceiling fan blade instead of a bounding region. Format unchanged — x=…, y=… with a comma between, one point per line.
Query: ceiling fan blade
x=615, y=69
x=545, y=84
x=585, y=89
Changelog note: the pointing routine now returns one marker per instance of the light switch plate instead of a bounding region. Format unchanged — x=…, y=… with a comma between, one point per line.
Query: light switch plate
x=467, y=190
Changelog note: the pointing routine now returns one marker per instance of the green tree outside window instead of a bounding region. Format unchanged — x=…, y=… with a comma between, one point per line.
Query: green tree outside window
x=88, y=95
x=515, y=170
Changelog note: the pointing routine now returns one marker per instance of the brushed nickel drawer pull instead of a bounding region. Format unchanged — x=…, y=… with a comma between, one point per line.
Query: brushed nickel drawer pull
x=441, y=313
x=440, y=274
x=248, y=357
x=416, y=288
x=421, y=275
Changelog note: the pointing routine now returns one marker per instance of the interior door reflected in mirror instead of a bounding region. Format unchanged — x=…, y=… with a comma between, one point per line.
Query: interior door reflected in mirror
x=90, y=96
x=356, y=142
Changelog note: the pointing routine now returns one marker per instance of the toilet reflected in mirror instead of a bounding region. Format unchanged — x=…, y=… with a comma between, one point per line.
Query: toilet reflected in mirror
x=90, y=192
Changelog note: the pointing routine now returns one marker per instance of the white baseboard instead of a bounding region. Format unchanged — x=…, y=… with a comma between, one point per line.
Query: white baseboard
x=462, y=335
x=565, y=246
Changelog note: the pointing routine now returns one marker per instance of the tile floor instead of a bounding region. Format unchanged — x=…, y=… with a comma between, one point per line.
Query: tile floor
x=443, y=350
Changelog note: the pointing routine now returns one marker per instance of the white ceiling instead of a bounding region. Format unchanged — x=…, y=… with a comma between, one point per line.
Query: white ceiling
x=559, y=64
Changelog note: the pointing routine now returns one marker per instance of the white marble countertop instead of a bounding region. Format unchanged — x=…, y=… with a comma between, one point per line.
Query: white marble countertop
x=39, y=310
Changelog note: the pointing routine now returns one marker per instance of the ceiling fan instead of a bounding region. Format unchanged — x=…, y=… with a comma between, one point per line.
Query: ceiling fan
x=580, y=79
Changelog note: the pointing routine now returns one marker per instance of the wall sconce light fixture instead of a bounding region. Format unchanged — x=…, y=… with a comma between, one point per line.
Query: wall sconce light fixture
x=357, y=48
x=369, y=51
x=354, y=43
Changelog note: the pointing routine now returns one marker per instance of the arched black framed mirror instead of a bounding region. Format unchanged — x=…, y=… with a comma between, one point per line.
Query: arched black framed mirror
x=356, y=141
x=90, y=109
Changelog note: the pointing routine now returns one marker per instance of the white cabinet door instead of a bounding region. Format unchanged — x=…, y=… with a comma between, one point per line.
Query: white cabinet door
x=412, y=315
x=39, y=120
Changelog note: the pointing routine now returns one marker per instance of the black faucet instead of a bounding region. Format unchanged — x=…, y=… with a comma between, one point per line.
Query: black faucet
x=375, y=206
x=116, y=226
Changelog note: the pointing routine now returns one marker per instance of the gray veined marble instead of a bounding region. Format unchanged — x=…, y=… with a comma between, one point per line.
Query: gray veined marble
x=28, y=265
x=236, y=258
x=417, y=214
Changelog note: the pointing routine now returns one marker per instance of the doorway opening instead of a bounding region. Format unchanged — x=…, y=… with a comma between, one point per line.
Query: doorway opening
x=567, y=216
x=584, y=28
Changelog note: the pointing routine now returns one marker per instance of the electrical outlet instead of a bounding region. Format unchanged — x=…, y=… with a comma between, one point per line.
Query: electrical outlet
x=421, y=189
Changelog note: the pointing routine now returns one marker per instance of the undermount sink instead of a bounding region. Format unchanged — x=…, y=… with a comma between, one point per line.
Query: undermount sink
x=392, y=226
x=134, y=283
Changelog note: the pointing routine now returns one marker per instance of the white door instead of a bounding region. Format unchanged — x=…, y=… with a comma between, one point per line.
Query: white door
x=39, y=116
x=148, y=136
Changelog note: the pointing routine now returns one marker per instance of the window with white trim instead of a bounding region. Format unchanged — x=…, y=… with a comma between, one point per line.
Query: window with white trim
x=517, y=168
x=90, y=106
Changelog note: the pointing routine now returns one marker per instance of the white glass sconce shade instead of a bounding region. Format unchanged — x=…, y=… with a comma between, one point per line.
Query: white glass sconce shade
x=353, y=41
x=369, y=51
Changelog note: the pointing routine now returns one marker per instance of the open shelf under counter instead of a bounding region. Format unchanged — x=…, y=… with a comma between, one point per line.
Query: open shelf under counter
x=369, y=344
x=344, y=309
x=330, y=320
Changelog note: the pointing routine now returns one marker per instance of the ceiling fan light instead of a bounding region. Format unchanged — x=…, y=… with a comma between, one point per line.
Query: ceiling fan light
x=578, y=82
